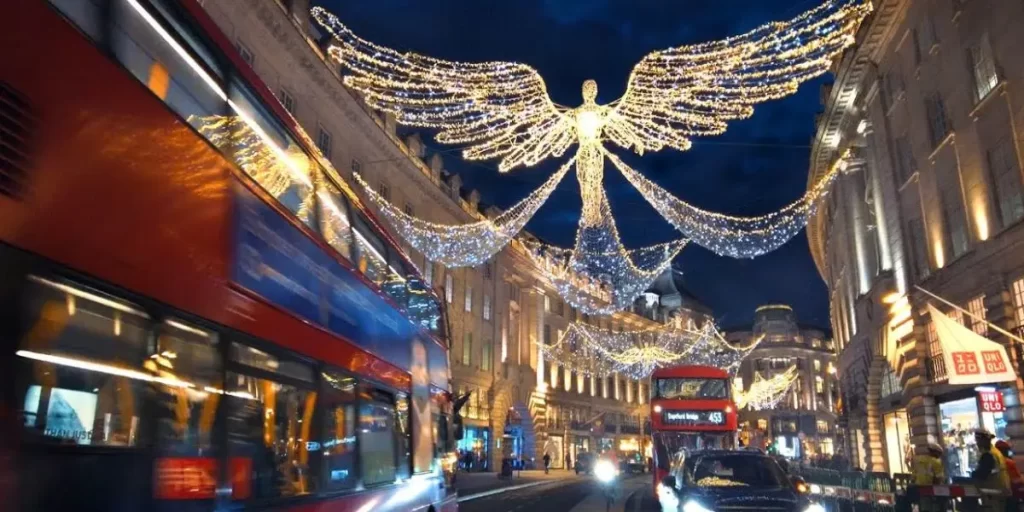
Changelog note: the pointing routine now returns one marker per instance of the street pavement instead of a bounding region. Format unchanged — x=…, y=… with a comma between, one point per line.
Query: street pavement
x=560, y=491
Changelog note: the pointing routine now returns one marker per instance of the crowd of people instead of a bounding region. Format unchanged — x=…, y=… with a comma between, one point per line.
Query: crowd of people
x=995, y=469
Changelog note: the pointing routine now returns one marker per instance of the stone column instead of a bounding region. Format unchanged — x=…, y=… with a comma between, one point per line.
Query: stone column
x=922, y=411
x=881, y=226
x=873, y=430
x=999, y=311
x=854, y=195
x=540, y=337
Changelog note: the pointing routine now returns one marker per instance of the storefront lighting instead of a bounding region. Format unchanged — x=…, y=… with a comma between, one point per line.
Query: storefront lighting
x=989, y=389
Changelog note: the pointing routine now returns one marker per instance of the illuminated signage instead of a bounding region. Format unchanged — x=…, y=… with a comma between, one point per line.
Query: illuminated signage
x=693, y=418
x=991, y=401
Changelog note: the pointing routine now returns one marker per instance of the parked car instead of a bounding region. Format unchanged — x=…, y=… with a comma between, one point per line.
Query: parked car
x=706, y=481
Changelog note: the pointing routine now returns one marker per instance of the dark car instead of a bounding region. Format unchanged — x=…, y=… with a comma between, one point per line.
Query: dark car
x=585, y=463
x=710, y=481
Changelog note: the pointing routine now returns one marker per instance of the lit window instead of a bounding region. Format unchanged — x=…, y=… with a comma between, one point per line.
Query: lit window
x=957, y=316
x=977, y=308
x=449, y=287
x=817, y=365
x=822, y=427
x=983, y=68
x=384, y=191
x=487, y=307
x=467, y=349
x=762, y=424
x=547, y=304
x=485, y=356
x=469, y=298
x=819, y=384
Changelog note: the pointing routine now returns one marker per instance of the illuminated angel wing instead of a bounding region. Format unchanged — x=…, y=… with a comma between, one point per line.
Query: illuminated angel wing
x=695, y=90
x=500, y=109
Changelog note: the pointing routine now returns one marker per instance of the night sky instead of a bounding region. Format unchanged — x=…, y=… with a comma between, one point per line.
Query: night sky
x=758, y=165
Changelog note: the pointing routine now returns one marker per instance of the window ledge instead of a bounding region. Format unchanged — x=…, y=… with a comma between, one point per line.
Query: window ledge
x=948, y=139
x=1000, y=88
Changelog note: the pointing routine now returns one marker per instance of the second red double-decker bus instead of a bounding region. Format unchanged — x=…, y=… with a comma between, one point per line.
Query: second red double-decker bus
x=196, y=313
x=691, y=409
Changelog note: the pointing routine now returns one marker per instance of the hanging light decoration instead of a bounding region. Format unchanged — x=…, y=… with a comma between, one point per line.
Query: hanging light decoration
x=727, y=235
x=465, y=245
x=590, y=350
x=502, y=111
x=765, y=393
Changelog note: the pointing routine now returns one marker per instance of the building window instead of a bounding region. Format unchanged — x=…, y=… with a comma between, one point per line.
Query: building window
x=323, y=141
x=934, y=347
x=904, y=159
x=487, y=307
x=547, y=334
x=977, y=308
x=822, y=427
x=485, y=356
x=1002, y=166
x=924, y=39
x=467, y=349
x=383, y=191
x=762, y=424
x=938, y=125
x=469, y=298
x=983, y=68
x=1018, y=302
x=819, y=384
x=547, y=304
x=817, y=365
x=488, y=270
x=449, y=288
x=356, y=165
x=288, y=102
x=408, y=210
x=918, y=248
x=954, y=220
x=245, y=53
x=513, y=292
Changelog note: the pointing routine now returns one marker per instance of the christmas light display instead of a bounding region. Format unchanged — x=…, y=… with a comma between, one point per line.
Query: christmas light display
x=466, y=245
x=727, y=235
x=765, y=393
x=501, y=110
x=590, y=350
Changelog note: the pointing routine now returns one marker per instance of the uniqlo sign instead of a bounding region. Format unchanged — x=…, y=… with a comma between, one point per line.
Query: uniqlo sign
x=991, y=401
x=965, y=363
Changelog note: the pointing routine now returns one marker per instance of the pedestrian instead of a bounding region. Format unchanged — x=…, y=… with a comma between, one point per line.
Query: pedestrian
x=568, y=462
x=928, y=470
x=990, y=473
x=1016, y=483
x=547, y=462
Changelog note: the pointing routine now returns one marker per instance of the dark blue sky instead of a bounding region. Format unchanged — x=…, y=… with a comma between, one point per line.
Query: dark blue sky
x=758, y=165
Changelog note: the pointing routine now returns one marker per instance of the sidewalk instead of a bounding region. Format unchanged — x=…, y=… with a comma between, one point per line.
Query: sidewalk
x=476, y=485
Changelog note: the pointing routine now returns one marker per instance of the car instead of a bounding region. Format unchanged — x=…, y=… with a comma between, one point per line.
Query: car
x=723, y=480
x=584, y=463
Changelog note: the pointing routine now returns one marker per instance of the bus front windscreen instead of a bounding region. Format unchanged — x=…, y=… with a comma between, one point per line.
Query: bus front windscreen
x=686, y=388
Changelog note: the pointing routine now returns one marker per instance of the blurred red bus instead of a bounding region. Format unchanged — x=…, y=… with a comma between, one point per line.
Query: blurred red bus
x=196, y=313
x=691, y=409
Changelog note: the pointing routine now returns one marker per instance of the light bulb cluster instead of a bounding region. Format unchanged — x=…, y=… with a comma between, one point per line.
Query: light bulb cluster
x=599, y=276
x=590, y=350
x=727, y=235
x=466, y=245
x=765, y=393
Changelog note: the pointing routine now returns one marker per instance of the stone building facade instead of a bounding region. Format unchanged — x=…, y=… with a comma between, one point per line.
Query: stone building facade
x=803, y=423
x=499, y=312
x=928, y=108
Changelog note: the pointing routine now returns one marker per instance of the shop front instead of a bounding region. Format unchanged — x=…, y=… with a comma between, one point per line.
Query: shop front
x=898, y=450
x=960, y=417
x=580, y=444
x=475, y=448
x=555, y=447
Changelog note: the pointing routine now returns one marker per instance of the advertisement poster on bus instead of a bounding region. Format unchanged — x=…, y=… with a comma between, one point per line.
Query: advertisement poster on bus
x=422, y=432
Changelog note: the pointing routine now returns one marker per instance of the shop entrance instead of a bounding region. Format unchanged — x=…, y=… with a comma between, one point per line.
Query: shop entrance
x=899, y=451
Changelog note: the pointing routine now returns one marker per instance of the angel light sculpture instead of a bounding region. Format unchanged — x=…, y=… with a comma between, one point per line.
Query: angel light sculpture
x=502, y=111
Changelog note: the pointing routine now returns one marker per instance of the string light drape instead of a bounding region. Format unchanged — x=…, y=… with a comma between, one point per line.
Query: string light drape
x=466, y=245
x=765, y=393
x=589, y=350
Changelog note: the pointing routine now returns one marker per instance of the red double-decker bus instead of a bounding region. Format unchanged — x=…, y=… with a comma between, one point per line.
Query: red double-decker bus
x=691, y=409
x=196, y=312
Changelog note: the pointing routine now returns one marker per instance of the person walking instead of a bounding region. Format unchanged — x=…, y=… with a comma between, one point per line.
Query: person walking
x=568, y=462
x=547, y=462
x=990, y=473
x=1016, y=482
x=928, y=470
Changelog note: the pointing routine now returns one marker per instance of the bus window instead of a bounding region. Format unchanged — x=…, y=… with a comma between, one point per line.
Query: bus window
x=263, y=148
x=86, y=14
x=83, y=356
x=403, y=434
x=338, y=441
x=269, y=425
x=423, y=310
x=334, y=219
x=167, y=68
x=377, y=437
x=184, y=415
x=371, y=251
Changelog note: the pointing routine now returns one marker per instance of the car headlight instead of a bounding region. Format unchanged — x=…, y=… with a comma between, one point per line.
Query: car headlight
x=694, y=506
x=814, y=507
x=605, y=471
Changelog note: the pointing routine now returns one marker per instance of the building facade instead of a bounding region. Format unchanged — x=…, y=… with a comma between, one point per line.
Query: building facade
x=498, y=313
x=927, y=113
x=802, y=424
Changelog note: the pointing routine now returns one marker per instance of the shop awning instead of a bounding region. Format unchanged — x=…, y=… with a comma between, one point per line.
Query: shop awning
x=970, y=358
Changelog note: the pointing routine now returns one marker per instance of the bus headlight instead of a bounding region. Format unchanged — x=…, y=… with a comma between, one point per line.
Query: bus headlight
x=814, y=507
x=657, y=408
x=694, y=506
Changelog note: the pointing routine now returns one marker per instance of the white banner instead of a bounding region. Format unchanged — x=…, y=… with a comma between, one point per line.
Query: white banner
x=970, y=358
